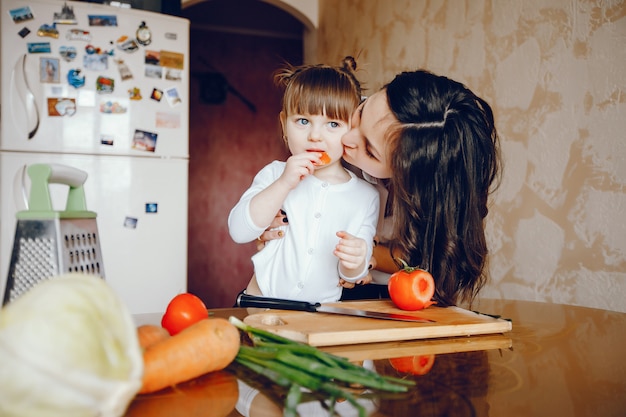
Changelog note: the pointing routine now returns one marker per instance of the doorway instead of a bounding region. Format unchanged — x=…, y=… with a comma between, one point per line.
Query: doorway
x=233, y=129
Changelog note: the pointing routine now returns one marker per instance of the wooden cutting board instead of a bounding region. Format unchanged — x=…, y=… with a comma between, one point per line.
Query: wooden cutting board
x=322, y=329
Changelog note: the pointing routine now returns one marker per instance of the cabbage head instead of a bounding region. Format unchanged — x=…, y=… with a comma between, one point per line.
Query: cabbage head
x=68, y=347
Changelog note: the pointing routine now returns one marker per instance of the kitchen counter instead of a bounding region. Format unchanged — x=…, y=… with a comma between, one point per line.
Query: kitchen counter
x=558, y=360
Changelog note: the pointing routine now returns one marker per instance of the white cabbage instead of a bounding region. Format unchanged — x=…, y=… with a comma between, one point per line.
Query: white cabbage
x=68, y=347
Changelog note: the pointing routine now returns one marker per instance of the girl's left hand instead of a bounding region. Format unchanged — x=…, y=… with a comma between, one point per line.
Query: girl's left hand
x=351, y=251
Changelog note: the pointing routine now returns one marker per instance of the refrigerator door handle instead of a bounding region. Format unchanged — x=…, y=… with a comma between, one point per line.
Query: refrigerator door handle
x=25, y=94
x=20, y=191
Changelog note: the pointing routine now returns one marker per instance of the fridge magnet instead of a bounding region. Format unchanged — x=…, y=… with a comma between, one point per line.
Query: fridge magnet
x=39, y=47
x=125, y=73
x=61, y=106
x=95, y=62
x=153, y=71
x=78, y=35
x=24, y=32
x=48, y=30
x=106, y=140
x=173, y=74
x=49, y=70
x=126, y=44
x=130, y=222
x=112, y=107
x=152, y=207
x=134, y=93
x=171, y=36
x=68, y=53
x=75, y=79
x=157, y=94
x=105, y=85
x=65, y=16
x=144, y=141
x=172, y=96
x=102, y=20
x=144, y=35
x=152, y=58
x=167, y=120
x=172, y=59
x=22, y=14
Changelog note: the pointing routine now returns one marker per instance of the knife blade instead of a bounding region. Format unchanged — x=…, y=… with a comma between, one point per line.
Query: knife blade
x=245, y=300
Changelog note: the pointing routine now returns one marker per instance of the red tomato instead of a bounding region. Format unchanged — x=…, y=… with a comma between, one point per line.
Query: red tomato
x=411, y=288
x=184, y=310
x=416, y=365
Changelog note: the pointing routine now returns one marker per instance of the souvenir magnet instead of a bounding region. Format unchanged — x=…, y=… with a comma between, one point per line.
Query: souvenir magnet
x=105, y=85
x=65, y=16
x=134, y=93
x=144, y=35
x=68, y=53
x=75, y=79
x=48, y=30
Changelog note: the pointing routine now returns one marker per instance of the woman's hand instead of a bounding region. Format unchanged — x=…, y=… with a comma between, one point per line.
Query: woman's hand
x=272, y=232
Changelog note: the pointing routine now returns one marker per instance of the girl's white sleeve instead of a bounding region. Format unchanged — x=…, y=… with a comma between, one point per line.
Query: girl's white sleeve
x=240, y=224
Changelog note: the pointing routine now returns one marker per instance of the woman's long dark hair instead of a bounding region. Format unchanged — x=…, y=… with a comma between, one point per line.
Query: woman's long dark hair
x=444, y=159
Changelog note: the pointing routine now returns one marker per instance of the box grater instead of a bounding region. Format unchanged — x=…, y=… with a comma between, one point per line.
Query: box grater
x=48, y=242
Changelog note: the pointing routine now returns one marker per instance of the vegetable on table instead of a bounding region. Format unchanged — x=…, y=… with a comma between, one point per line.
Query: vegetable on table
x=411, y=288
x=296, y=366
x=182, y=311
x=68, y=347
x=208, y=345
x=415, y=365
x=150, y=334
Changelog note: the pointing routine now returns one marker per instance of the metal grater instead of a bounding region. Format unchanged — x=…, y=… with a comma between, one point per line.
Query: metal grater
x=49, y=243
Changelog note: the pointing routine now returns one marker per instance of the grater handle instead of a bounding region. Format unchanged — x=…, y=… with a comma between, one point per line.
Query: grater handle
x=41, y=175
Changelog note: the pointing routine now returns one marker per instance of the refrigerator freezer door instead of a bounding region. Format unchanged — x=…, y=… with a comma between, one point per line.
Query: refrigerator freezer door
x=141, y=206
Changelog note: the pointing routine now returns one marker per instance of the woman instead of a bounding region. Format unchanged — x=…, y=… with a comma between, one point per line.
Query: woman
x=432, y=145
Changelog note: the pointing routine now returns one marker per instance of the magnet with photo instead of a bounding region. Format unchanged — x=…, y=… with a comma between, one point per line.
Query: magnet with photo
x=172, y=96
x=171, y=59
x=102, y=20
x=157, y=94
x=96, y=62
x=126, y=44
x=112, y=107
x=130, y=222
x=21, y=14
x=106, y=140
x=172, y=74
x=75, y=78
x=166, y=120
x=152, y=208
x=49, y=70
x=144, y=141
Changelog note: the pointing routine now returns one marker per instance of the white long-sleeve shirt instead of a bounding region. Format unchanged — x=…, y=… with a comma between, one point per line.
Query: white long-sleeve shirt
x=301, y=265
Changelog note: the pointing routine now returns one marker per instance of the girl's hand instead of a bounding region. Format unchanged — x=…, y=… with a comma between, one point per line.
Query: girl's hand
x=298, y=167
x=272, y=232
x=351, y=252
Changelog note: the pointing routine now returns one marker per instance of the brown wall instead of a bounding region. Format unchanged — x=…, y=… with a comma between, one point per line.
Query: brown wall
x=228, y=144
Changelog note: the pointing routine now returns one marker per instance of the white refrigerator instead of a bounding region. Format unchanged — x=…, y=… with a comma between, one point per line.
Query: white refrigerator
x=104, y=90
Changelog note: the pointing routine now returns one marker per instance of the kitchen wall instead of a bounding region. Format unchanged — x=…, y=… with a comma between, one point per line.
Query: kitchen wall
x=554, y=72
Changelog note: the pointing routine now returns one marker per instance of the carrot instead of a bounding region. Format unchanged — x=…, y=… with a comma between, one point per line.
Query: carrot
x=208, y=345
x=325, y=158
x=150, y=334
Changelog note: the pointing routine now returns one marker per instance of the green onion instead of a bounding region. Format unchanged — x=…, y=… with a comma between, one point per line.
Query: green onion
x=296, y=366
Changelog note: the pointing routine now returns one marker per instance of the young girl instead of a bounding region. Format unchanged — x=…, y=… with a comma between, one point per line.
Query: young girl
x=332, y=213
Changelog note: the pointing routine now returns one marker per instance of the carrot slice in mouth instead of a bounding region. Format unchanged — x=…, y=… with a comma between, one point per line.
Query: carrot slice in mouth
x=325, y=159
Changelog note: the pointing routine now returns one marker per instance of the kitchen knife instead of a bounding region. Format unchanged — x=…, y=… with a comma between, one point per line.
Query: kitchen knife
x=245, y=300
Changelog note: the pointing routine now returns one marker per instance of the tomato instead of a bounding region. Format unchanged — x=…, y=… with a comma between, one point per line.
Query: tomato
x=183, y=310
x=411, y=288
x=416, y=365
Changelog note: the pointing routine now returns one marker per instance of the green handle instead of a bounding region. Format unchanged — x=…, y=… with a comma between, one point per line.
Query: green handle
x=40, y=202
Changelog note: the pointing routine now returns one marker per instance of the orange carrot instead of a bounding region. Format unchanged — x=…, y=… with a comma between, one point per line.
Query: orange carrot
x=150, y=334
x=208, y=345
x=325, y=159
